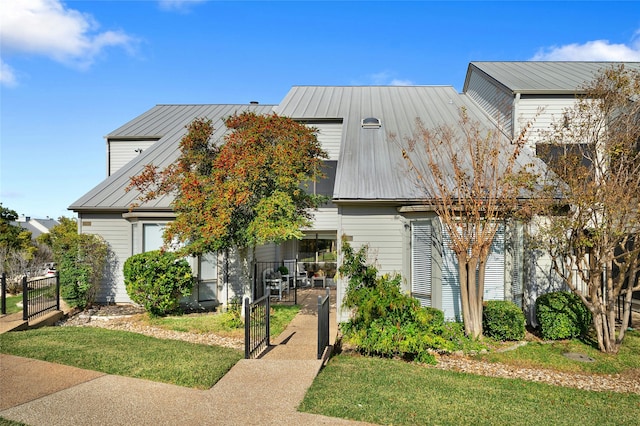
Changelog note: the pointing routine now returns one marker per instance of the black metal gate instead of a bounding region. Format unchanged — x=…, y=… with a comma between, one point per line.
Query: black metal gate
x=323, y=323
x=40, y=296
x=256, y=327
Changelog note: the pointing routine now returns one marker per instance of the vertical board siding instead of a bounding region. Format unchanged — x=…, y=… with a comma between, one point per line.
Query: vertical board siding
x=117, y=233
x=495, y=100
x=121, y=152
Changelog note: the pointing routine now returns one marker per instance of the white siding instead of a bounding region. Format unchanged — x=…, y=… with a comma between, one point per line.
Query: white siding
x=117, y=233
x=495, y=100
x=325, y=219
x=379, y=227
x=121, y=152
x=330, y=137
x=541, y=112
x=494, y=276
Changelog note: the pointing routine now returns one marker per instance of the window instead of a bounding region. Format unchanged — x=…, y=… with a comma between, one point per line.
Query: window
x=318, y=247
x=152, y=236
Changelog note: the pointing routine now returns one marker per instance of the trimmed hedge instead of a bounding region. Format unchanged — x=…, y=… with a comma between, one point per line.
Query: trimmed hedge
x=562, y=315
x=157, y=280
x=503, y=320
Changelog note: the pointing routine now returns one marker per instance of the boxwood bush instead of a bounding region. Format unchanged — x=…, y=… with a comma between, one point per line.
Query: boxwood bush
x=157, y=280
x=562, y=315
x=503, y=320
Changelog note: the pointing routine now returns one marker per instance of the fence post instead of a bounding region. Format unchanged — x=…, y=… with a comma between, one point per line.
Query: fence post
x=268, y=321
x=3, y=302
x=57, y=290
x=247, y=327
x=25, y=299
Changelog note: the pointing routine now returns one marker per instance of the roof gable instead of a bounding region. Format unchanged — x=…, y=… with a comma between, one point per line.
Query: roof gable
x=531, y=77
x=168, y=123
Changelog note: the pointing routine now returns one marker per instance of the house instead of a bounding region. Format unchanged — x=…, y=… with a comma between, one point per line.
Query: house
x=153, y=137
x=37, y=227
x=536, y=93
x=373, y=198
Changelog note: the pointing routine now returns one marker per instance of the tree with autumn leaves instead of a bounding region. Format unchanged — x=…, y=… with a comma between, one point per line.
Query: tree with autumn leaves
x=473, y=178
x=246, y=191
x=592, y=232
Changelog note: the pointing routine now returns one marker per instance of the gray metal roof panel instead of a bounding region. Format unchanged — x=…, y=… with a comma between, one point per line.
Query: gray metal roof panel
x=370, y=165
x=543, y=77
x=169, y=123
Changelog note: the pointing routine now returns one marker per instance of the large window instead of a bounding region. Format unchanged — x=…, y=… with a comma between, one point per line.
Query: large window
x=317, y=247
x=152, y=236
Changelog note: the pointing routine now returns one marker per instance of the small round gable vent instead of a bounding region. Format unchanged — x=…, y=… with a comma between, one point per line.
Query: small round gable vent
x=371, y=123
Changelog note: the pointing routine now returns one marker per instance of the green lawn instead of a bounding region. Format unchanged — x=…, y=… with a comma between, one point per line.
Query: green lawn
x=550, y=355
x=12, y=302
x=135, y=355
x=385, y=391
x=281, y=316
x=124, y=353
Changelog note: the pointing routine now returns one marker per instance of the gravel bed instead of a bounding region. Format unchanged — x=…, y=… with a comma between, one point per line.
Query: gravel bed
x=592, y=382
x=123, y=317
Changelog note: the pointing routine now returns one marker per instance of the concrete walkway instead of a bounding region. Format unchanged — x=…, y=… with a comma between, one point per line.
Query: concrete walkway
x=254, y=392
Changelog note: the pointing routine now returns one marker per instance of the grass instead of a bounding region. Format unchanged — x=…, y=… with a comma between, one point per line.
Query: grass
x=134, y=355
x=7, y=422
x=222, y=324
x=12, y=304
x=124, y=353
x=386, y=391
x=551, y=356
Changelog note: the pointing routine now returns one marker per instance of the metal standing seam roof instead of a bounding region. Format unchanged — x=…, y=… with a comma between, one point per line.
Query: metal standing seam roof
x=370, y=166
x=543, y=77
x=168, y=123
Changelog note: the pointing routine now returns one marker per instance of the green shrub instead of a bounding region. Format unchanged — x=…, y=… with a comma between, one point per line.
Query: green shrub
x=503, y=320
x=387, y=322
x=562, y=315
x=157, y=281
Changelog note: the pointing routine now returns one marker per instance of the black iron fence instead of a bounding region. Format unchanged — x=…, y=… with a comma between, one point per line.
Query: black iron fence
x=40, y=296
x=3, y=295
x=256, y=326
x=323, y=323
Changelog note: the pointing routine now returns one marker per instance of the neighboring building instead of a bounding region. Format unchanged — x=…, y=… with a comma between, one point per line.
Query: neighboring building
x=37, y=227
x=518, y=94
x=374, y=200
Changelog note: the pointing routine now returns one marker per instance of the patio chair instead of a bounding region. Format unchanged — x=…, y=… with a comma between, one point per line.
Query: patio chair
x=300, y=273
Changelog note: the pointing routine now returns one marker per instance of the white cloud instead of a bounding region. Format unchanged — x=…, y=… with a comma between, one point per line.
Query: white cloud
x=7, y=75
x=383, y=78
x=597, y=50
x=178, y=5
x=399, y=82
x=48, y=28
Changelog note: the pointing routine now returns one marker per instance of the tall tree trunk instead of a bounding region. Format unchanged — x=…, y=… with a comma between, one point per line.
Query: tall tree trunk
x=464, y=294
x=473, y=301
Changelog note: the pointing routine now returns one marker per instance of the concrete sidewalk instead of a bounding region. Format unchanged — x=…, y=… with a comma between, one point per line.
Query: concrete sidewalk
x=261, y=391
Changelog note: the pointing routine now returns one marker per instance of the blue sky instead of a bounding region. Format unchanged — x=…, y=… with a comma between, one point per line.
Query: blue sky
x=73, y=71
